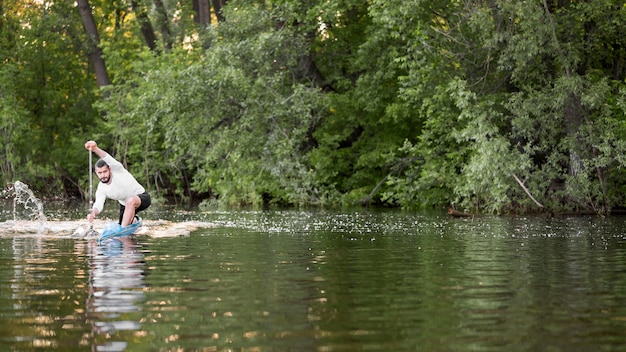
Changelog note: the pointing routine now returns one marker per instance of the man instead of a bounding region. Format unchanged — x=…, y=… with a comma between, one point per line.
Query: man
x=116, y=183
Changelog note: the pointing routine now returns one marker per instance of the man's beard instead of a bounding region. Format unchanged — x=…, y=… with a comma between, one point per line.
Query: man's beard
x=105, y=180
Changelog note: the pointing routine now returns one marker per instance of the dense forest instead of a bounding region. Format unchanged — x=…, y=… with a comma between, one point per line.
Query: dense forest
x=491, y=106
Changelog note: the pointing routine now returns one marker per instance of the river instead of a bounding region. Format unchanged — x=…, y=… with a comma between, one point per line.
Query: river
x=321, y=280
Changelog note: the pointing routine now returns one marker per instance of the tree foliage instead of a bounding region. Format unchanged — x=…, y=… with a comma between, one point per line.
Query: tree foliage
x=399, y=103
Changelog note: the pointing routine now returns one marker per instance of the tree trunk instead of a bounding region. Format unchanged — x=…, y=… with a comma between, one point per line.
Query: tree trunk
x=573, y=119
x=217, y=7
x=203, y=12
x=164, y=24
x=95, y=53
x=144, y=23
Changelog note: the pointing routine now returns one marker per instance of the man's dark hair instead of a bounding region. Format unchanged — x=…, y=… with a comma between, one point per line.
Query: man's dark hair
x=101, y=163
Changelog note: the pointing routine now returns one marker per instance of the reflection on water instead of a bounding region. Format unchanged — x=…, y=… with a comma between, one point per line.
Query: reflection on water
x=68, y=295
x=324, y=281
x=116, y=282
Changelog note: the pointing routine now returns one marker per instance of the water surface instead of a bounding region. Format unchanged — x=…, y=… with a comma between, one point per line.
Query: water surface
x=323, y=281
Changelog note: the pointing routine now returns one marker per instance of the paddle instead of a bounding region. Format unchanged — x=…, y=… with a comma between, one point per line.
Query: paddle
x=91, y=231
x=90, y=188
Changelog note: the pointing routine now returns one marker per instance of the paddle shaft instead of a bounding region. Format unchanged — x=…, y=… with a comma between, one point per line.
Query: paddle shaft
x=90, y=187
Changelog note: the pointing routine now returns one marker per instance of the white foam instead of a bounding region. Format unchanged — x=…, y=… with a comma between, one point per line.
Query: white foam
x=80, y=229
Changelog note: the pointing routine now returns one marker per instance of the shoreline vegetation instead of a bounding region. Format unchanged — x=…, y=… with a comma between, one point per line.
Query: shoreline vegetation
x=32, y=203
x=498, y=107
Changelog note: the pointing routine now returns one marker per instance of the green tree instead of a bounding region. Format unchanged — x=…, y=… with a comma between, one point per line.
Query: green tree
x=44, y=100
x=512, y=96
x=233, y=120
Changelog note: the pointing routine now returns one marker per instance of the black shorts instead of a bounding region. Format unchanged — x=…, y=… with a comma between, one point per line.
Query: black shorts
x=145, y=203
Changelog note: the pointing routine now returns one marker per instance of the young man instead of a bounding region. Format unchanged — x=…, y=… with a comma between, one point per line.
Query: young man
x=116, y=183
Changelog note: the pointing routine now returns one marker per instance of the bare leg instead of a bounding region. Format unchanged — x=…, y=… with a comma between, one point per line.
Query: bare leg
x=132, y=203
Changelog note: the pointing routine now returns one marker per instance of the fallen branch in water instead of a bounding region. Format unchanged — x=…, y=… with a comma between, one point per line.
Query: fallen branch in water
x=459, y=214
x=526, y=190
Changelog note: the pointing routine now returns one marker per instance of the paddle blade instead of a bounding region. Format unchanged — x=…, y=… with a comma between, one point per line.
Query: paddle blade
x=82, y=232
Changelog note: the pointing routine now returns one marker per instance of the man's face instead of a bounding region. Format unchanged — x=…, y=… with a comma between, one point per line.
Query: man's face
x=104, y=174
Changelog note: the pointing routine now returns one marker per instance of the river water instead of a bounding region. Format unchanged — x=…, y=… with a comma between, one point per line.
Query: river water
x=322, y=280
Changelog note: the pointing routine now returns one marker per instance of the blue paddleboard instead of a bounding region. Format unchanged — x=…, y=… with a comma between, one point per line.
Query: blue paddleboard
x=113, y=229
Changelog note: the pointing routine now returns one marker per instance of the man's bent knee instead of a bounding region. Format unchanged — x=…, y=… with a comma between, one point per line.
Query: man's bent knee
x=132, y=201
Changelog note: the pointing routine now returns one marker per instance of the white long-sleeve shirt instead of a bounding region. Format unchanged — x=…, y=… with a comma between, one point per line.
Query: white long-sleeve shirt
x=122, y=185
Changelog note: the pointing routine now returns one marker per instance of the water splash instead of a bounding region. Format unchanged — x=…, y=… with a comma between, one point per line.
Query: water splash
x=24, y=198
